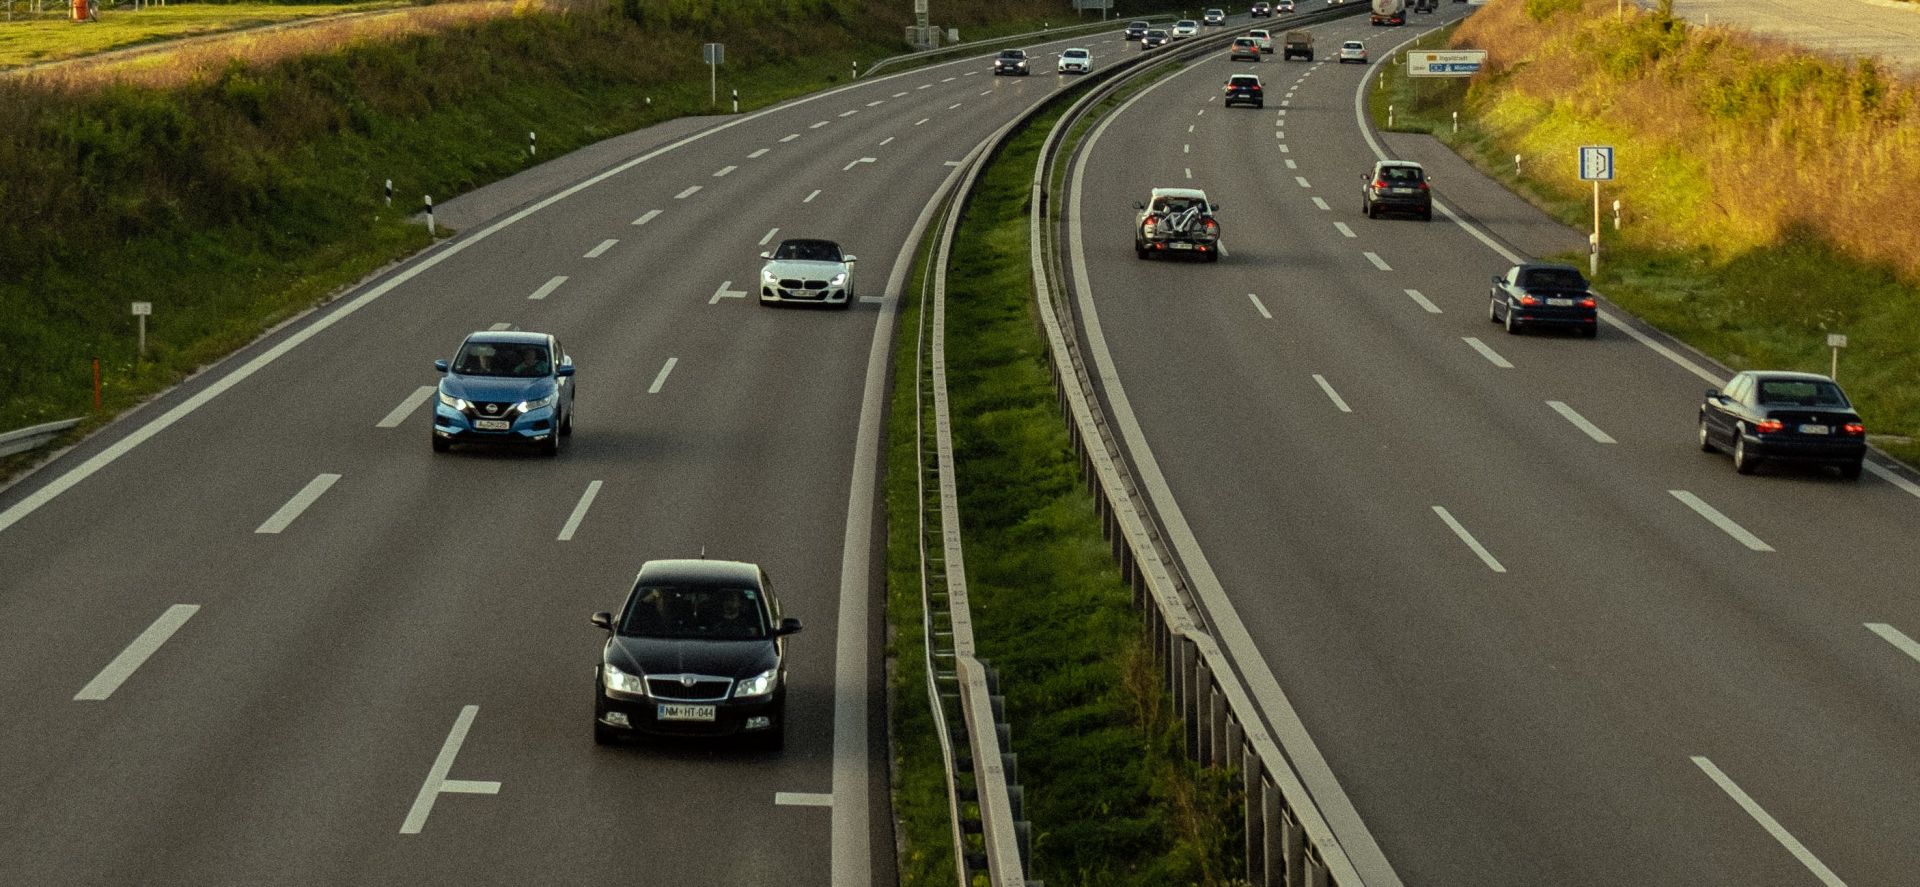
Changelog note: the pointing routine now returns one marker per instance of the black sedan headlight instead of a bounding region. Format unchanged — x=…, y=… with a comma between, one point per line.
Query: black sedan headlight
x=758, y=685
x=621, y=682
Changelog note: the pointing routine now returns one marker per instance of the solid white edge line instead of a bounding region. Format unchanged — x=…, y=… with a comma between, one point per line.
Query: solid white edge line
x=300, y=502
x=661, y=379
x=1332, y=395
x=136, y=654
x=1895, y=637
x=1580, y=422
x=1310, y=763
x=407, y=406
x=1460, y=530
x=803, y=799
x=1766, y=820
x=1260, y=306
x=1726, y=524
x=600, y=250
x=1423, y=301
x=579, y=512
x=437, y=781
x=1487, y=352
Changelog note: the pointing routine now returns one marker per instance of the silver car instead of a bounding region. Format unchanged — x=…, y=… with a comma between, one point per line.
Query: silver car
x=804, y=270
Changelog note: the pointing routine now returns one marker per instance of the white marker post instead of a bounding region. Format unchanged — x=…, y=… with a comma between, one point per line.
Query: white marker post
x=430, y=232
x=142, y=310
x=713, y=54
x=389, y=192
x=1616, y=214
x=1836, y=341
x=531, y=150
x=1596, y=166
x=736, y=101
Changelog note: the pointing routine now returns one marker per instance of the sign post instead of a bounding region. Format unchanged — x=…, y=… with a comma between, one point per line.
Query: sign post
x=713, y=54
x=142, y=310
x=1836, y=341
x=1596, y=166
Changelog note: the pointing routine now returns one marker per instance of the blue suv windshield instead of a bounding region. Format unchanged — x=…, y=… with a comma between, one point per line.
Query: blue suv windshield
x=503, y=359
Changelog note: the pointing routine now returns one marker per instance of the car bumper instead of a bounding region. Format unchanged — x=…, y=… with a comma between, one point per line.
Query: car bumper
x=1022, y=72
x=828, y=296
x=529, y=427
x=1180, y=247
x=1074, y=69
x=1584, y=318
x=1243, y=100
x=1253, y=56
x=731, y=718
x=1840, y=451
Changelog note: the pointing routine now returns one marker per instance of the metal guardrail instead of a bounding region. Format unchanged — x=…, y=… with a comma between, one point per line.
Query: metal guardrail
x=976, y=45
x=34, y=437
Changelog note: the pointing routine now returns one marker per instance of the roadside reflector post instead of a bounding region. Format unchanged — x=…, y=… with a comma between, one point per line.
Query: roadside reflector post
x=430, y=231
x=140, y=312
x=531, y=150
x=736, y=101
x=1616, y=214
x=1456, y=122
x=1835, y=341
x=389, y=192
x=1516, y=166
x=856, y=69
x=1389, y=116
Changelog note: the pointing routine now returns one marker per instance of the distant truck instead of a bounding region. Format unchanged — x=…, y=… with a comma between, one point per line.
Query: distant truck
x=1389, y=12
x=1297, y=43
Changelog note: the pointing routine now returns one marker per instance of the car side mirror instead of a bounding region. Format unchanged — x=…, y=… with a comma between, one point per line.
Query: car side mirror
x=566, y=369
x=440, y=365
x=1217, y=207
x=789, y=625
x=849, y=259
x=1136, y=205
x=603, y=619
x=1496, y=280
x=1713, y=394
x=766, y=255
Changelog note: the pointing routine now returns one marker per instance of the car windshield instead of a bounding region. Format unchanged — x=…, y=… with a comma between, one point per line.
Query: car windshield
x=1012, y=54
x=1174, y=204
x=1156, y=33
x=694, y=612
x=1244, y=81
x=1400, y=175
x=1351, y=44
x=502, y=359
x=1075, y=53
x=1553, y=278
x=1801, y=392
x=808, y=250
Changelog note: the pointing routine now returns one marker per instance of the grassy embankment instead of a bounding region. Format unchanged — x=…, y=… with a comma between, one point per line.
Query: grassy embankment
x=1762, y=188
x=50, y=36
x=1112, y=800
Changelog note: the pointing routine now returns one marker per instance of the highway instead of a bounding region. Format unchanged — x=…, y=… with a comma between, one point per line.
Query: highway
x=1537, y=634
x=257, y=633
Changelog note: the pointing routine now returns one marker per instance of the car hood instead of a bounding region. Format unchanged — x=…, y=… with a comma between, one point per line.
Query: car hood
x=496, y=388
x=666, y=656
x=804, y=269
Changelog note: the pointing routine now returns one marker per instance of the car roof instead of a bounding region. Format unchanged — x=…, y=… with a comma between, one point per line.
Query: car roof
x=808, y=241
x=1547, y=266
x=503, y=337
x=1188, y=193
x=1353, y=44
x=698, y=570
x=1243, y=77
x=1787, y=376
x=1074, y=50
x=1386, y=163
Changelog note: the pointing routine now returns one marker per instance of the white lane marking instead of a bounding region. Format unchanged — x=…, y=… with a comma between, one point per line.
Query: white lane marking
x=1279, y=133
x=1378, y=262
x=500, y=326
x=1773, y=826
x=850, y=113
x=1303, y=181
x=1284, y=102
x=300, y=502
x=723, y=171
x=899, y=94
x=1189, y=172
x=949, y=80
x=1487, y=352
x=921, y=120
x=579, y=512
x=987, y=92
x=1290, y=163
x=789, y=138
x=1322, y=204
x=136, y=654
x=1260, y=306
x=883, y=142
x=1486, y=557
x=765, y=240
x=757, y=154
x=1895, y=637
x=1884, y=474
x=879, y=102
x=661, y=380
x=687, y=193
x=1186, y=149
x=1344, y=230
x=647, y=217
x=803, y=799
x=546, y=289
x=1332, y=395
x=437, y=781
x=1283, y=112
x=818, y=125
x=810, y=197
x=968, y=74
x=407, y=406
x=1580, y=422
x=955, y=105
x=1189, y=127
x=953, y=163
x=600, y=250
x=1424, y=303
x=724, y=293
x=1725, y=523
x=874, y=300
x=927, y=86
x=858, y=162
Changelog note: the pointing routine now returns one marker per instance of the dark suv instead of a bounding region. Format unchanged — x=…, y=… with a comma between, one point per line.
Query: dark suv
x=1397, y=186
x=1012, y=61
x=1261, y=10
x=1136, y=31
x=1245, y=89
x=698, y=649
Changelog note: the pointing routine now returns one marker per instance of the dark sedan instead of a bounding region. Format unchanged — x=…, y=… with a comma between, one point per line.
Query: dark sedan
x=1535, y=294
x=1155, y=37
x=699, y=649
x=1136, y=30
x=1012, y=61
x=1769, y=415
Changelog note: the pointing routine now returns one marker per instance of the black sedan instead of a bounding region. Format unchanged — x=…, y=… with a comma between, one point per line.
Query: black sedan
x=1012, y=61
x=699, y=649
x=1155, y=37
x=1136, y=30
x=1768, y=415
x=1536, y=294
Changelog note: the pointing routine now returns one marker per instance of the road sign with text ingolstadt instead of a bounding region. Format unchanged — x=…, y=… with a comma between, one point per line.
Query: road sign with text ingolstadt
x=1445, y=63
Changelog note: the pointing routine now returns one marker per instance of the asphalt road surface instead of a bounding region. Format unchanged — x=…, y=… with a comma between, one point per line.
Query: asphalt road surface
x=1539, y=636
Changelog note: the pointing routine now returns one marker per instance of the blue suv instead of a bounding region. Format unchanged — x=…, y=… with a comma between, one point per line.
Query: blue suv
x=505, y=387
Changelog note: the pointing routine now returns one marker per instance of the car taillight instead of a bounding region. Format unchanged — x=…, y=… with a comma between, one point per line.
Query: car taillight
x=1212, y=225
x=1149, y=220
x=1528, y=300
x=1423, y=186
x=1256, y=87
x=1854, y=428
x=1768, y=426
x=1586, y=302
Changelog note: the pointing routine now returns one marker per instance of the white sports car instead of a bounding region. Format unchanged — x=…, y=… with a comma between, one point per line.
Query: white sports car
x=807, y=271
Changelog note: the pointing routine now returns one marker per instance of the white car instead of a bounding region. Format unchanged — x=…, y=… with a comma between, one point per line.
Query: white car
x=1076, y=61
x=1353, y=51
x=1185, y=27
x=804, y=270
x=1263, y=39
x=1215, y=17
x=1283, y=6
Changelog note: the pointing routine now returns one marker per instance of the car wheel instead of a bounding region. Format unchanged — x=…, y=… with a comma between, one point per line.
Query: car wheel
x=1513, y=324
x=1373, y=212
x=603, y=734
x=1851, y=470
x=1493, y=311
x=551, y=446
x=1258, y=105
x=1213, y=255
x=441, y=444
x=1426, y=215
x=1742, y=462
x=1706, y=440
x=1141, y=252
x=566, y=424
x=1589, y=332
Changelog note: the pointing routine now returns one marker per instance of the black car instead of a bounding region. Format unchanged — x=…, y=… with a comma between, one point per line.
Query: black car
x=1155, y=37
x=1397, y=186
x=1012, y=61
x=1245, y=89
x=698, y=649
x=1767, y=415
x=1260, y=10
x=1535, y=294
x=1136, y=30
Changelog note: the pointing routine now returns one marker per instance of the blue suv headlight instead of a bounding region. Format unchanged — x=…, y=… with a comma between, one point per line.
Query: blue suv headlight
x=454, y=402
x=528, y=406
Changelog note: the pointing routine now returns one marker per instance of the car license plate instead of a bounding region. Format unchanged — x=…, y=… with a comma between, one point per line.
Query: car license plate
x=1179, y=245
x=673, y=712
x=1815, y=429
x=1560, y=303
x=1403, y=190
x=492, y=424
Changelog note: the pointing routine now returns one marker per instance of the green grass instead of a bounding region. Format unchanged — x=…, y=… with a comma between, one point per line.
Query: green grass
x=42, y=39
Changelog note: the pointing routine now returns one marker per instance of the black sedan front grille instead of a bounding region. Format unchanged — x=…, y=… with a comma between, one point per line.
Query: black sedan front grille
x=702, y=688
